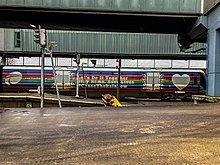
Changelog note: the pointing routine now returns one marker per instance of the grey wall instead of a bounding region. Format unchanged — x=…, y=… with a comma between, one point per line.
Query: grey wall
x=213, y=57
x=209, y=4
x=161, y=6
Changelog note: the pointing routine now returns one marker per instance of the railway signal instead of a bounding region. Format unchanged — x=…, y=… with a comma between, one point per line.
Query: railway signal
x=40, y=36
x=77, y=60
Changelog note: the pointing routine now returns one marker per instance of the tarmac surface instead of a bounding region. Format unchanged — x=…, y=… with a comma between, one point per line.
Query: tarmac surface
x=154, y=133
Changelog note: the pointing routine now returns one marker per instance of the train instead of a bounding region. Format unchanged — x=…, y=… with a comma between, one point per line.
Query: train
x=162, y=83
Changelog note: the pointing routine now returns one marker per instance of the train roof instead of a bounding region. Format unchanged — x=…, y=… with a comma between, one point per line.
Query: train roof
x=27, y=67
x=111, y=69
x=145, y=70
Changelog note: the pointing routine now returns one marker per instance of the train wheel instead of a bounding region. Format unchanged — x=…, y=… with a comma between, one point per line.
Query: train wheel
x=187, y=97
x=168, y=96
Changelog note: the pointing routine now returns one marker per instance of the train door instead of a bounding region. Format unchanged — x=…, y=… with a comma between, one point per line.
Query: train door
x=197, y=83
x=63, y=79
x=153, y=80
x=66, y=79
x=60, y=79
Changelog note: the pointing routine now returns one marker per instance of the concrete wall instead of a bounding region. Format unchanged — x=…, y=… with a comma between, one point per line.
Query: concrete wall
x=209, y=4
x=158, y=6
x=213, y=56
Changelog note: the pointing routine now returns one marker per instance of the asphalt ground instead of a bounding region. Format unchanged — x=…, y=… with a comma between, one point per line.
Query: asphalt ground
x=158, y=133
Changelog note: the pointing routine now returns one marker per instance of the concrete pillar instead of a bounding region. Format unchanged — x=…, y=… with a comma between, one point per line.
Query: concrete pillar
x=213, y=56
x=213, y=63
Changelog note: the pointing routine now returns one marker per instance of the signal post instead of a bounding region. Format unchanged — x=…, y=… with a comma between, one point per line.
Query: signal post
x=77, y=60
x=40, y=38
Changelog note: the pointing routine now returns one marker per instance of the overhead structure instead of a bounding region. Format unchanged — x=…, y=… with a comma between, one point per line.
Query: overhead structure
x=141, y=16
x=207, y=30
x=145, y=16
x=196, y=33
x=107, y=45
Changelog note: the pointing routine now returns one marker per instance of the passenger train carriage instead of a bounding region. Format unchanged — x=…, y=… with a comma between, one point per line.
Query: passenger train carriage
x=150, y=83
x=93, y=82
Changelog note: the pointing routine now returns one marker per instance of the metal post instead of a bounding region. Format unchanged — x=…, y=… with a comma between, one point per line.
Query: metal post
x=42, y=78
x=39, y=59
x=119, y=79
x=85, y=84
x=55, y=78
x=63, y=80
x=77, y=80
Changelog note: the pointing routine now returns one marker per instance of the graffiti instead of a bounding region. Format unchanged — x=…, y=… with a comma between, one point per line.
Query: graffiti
x=13, y=78
x=138, y=80
x=180, y=81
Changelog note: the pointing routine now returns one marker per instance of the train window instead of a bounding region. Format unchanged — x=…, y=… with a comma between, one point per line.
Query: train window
x=17, y=39
x=156, y=78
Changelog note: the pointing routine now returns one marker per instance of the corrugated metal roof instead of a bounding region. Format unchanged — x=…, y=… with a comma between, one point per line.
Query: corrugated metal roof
x=99, y=42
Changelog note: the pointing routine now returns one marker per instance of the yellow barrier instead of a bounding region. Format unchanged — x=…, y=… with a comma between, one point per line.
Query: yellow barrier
x=110, y=100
